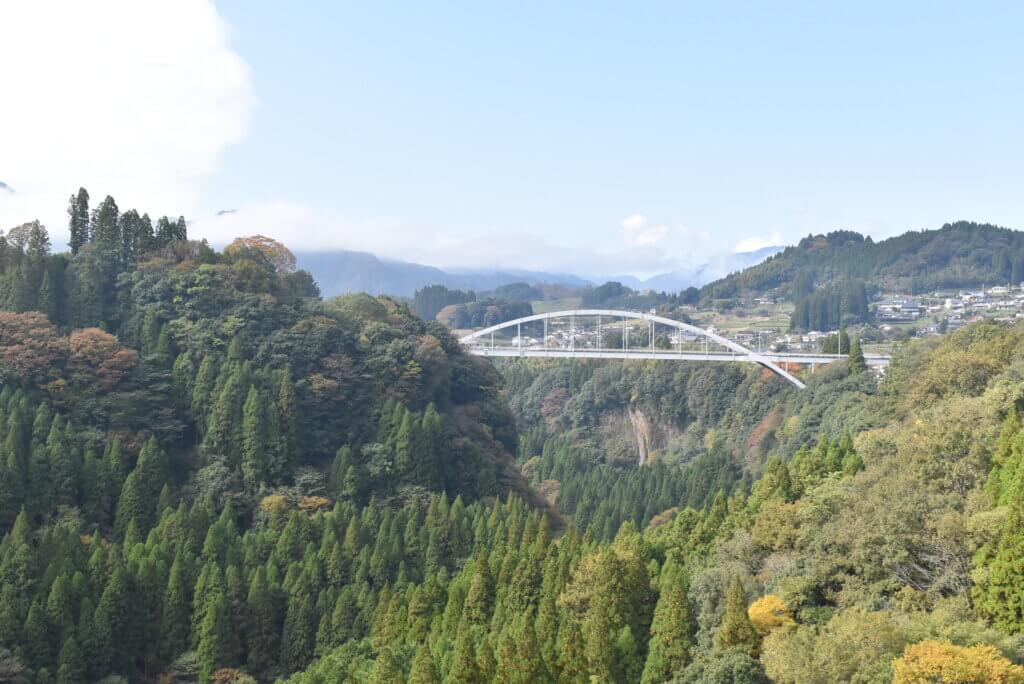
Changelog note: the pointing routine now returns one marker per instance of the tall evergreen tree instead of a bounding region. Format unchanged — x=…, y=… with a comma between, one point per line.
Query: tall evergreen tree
x=737, y=631
x=299, y=637
x=78, y=220
x=671, y=632
x=216, y=638
x=856, y=360
x=256, y=440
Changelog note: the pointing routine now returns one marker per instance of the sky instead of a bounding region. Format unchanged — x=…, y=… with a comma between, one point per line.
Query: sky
x=583, y=137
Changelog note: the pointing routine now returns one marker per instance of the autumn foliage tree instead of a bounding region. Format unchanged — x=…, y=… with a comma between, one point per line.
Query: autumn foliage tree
x=940, y=662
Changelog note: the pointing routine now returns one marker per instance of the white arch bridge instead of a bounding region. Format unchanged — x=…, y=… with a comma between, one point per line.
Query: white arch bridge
x=566, y=334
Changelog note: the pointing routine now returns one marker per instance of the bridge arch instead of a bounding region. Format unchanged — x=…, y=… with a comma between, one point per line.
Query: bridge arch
x=742, y=353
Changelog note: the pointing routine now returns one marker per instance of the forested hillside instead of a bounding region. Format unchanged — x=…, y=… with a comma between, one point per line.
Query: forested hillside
x=961, y=254
x=888, y=553
x=209, y=474
x=151, y=383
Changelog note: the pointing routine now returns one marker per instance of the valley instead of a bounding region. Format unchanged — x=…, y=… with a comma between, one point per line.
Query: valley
x=210, y=473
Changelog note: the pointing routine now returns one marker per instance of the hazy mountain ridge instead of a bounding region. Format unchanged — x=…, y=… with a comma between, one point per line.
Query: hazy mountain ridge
x=341, y=271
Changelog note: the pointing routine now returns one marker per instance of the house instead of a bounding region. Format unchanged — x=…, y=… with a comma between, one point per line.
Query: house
x=898, y=309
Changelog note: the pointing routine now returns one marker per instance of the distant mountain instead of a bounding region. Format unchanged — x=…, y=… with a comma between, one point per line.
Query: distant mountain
x=6, y=188
x=958, y=255
x=341, y=271
x=699, y=275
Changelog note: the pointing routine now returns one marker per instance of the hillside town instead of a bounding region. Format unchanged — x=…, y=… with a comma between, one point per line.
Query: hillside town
x=900, y=316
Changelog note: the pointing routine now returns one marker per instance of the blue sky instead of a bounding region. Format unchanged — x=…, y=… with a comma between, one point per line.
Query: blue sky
x=600, y=137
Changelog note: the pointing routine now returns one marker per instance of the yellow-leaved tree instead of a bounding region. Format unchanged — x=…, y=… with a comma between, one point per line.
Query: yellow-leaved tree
x=941, y=662
x=769, y=612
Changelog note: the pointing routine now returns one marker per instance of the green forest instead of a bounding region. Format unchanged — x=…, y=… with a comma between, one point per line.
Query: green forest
x=208, y=473
x=957, y=255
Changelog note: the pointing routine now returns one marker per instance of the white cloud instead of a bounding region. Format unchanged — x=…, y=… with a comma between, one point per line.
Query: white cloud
x=639, y=232
x=644, y=250
x=756, y=242
x=133, y=99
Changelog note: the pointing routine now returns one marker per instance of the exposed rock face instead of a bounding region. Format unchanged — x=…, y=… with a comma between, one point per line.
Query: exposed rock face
x=642, y=434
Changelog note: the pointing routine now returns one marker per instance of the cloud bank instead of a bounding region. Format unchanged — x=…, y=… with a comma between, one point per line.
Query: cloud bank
x=135, y=99
x=644, y=248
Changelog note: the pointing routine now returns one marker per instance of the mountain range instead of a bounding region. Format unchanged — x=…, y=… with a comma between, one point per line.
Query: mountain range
x=341, y=271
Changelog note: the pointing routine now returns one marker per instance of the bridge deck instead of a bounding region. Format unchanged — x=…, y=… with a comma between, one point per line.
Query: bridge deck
x=668, y=355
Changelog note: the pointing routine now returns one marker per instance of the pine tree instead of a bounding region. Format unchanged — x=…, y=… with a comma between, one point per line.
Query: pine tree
x=424, y=669
x=518, y=654
x=216, y=636
x=111, y=622
x=1000, y=596
x=131, y=506
x=262, y=634
x=476, y=609
x=427, y=467
x=71, y=668
x=105, y=230
x=49, y=297
x=286, y=424
x=737, y=631
x=298, y=639
x=388, y=668
x=255, y=440
x=464, y=668
x=571, y=659
x=856, y=361
x=78, y=220
x=37, y=636
x=202, y=390
x=141, y=490
x=671, y=636
x=174, y=625
x=64, y=469
x=407, y=446
x=225, y=421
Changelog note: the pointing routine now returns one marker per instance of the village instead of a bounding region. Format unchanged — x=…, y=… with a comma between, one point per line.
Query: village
x=898, y=316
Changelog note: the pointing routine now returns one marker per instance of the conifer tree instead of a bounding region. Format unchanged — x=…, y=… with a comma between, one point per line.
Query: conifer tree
x=671, y=639
x=737, y=631
x=106, y=233
x=856, y=361
x=287, y=417
x=202, y=389
x=476, y=609
x=427, y=466
x=255, y=440
x=174, y=625
x=518, y=654
x=424, y=669
x=262, y=634
x=64, y=469
x=298, y=638
x=131, y=505
x=71, y=667
x=571, y=659
x=37, y=636
x=463, y=668
x=999, y=596
x=388, y=668
x=224, y=426
x=111, y=621
x=216, y=637
x=78, y=220
x=49, y=297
